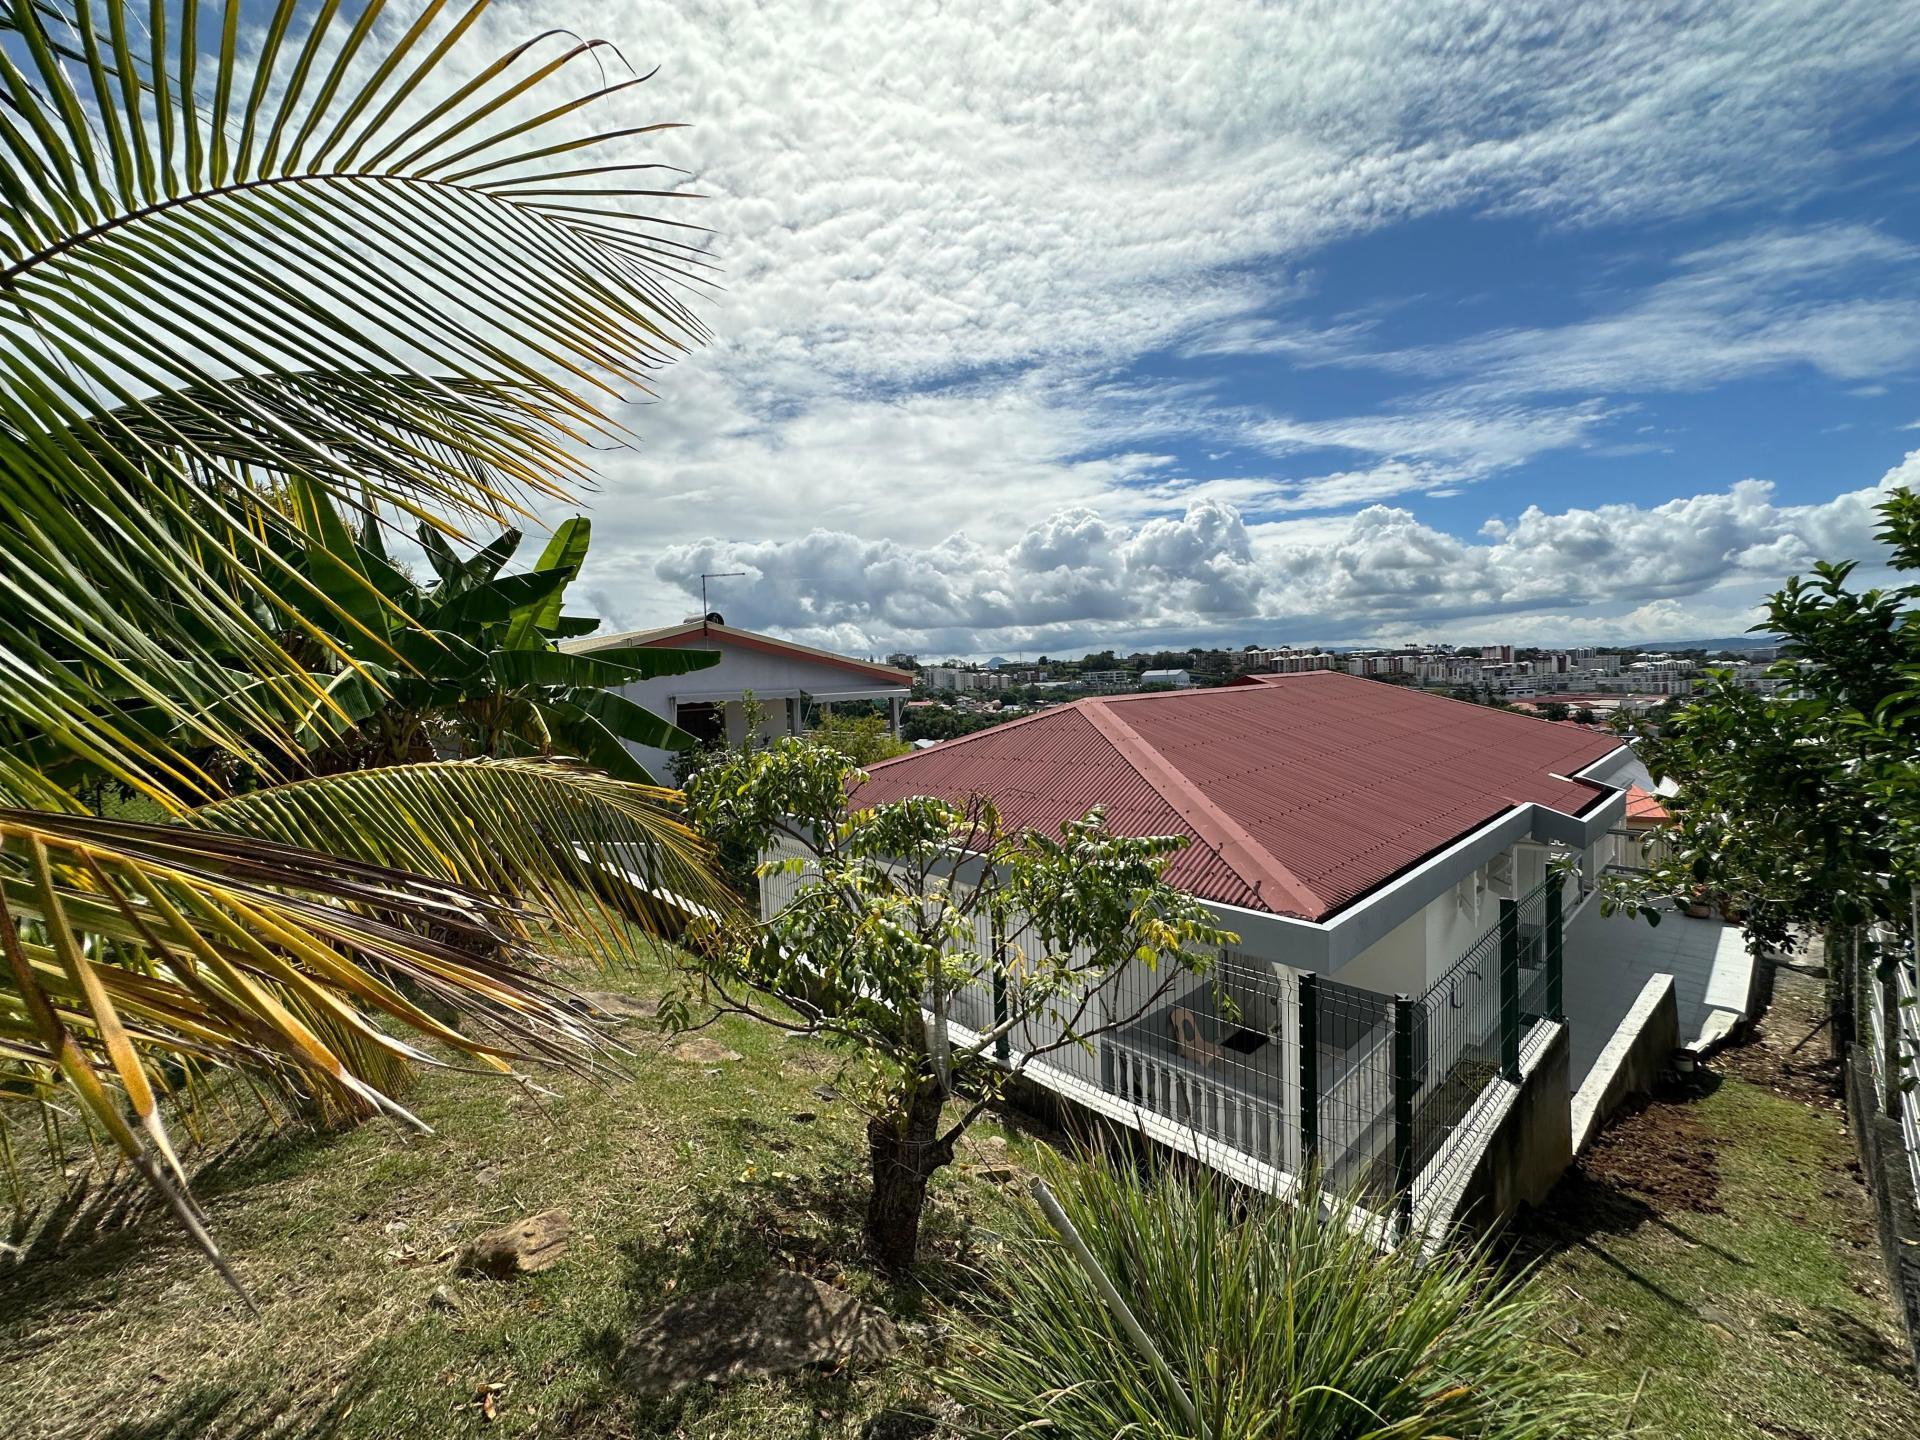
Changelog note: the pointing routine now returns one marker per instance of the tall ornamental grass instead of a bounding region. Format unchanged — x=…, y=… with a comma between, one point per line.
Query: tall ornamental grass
x=1280, y=1321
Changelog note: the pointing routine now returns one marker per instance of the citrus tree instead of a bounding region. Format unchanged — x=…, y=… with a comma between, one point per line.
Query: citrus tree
x=1799, y=809
x=274, y=281
x=882, y=933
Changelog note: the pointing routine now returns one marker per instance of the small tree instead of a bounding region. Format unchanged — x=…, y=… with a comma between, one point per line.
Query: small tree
x=881, y=935
x=1800, y=809
x=863, y=739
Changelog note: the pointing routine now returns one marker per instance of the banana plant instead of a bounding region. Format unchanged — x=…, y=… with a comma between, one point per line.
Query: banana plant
x=483, y=672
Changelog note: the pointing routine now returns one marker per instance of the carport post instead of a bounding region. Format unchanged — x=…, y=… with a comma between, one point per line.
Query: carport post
x=1307, y=998
x=1403, y=1112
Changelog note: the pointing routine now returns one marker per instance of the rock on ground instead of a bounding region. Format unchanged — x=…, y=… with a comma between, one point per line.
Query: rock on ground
x=612, y=1005
x=771, y=1325
x=522, y=1248
x=703, y=1050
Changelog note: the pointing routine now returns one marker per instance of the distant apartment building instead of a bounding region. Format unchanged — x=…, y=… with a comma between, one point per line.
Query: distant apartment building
x=1178, y=679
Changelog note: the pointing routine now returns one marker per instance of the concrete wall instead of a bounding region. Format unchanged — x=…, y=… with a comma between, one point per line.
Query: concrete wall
x=1529, y=1147
x=1428, y=943
x=1632, y=1061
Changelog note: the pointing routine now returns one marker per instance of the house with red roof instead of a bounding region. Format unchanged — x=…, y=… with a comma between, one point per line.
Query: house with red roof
x=1403, y=872
x=792, y=684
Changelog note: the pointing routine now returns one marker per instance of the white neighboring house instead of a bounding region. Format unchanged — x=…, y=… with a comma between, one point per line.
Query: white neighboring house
x=1366, y=842
x=794, y=683
x=1178, y=679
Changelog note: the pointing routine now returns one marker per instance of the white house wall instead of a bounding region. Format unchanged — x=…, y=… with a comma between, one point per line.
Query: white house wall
x=774, y=680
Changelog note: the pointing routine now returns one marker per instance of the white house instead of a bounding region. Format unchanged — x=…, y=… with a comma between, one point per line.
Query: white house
x=1178, y=679
x=1407, y=940
x=793, y=683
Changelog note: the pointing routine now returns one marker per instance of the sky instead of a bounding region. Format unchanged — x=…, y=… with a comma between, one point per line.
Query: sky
x=1042, y=328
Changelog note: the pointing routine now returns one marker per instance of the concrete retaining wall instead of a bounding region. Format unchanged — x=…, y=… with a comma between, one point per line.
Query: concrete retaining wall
x=1631, y=1063
x=1529, y=1148
x=1891, y=1184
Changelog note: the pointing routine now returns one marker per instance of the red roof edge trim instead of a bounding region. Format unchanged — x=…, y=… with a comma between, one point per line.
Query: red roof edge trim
x=746, y=640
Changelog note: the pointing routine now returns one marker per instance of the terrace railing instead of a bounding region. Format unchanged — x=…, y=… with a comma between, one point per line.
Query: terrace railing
x=1381, y=1092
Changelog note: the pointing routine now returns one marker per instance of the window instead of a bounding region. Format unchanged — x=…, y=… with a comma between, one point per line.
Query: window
x=704, y=721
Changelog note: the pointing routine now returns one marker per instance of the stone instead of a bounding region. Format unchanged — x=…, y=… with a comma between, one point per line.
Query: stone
x=803, y=1117
x=825, y=1092
x=775, y=1324
x=703, y=1050
x=612, y=1005
x=442, y=1299
x=900, y=1425
x=994, y=1174
x=522, y=1248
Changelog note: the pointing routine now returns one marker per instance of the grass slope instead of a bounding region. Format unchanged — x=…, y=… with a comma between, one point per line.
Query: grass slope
x=688, y=1173
x=1716, y=1254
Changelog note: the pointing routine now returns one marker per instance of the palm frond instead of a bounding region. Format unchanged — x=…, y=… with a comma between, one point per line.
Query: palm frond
x=130, y=946
x=593, y=862
x=345, y=266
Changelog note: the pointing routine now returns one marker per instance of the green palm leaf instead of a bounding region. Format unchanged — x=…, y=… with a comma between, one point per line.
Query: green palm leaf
x=566, y=842
x=343, y=268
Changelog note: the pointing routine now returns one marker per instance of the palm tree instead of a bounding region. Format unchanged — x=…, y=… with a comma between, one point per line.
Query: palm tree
x=268, y=287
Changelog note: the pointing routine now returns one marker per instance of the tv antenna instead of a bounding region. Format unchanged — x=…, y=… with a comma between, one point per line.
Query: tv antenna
x=706, y=575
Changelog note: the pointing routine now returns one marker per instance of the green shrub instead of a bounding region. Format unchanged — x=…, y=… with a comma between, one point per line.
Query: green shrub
x=1282, y=1322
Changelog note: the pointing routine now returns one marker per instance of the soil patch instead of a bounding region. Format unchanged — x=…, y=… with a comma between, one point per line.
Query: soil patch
x=1659, y=1152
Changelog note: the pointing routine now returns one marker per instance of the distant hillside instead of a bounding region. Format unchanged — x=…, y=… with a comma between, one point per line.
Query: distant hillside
x=1725, y=642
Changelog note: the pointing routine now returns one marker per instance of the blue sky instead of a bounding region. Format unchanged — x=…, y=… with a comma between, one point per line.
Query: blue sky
x=1048, y=326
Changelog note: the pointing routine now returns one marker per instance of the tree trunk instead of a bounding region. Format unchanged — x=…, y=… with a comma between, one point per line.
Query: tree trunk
x=904, y=1149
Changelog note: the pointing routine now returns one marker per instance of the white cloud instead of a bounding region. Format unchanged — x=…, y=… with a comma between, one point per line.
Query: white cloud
x=1692, y=566
x=945, y=229
x=1841, y=299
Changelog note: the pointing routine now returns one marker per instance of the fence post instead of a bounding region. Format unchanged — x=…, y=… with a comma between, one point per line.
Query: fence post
x=1556, y=935
x=1307, y=1001
x=1002, y=1047
x=1510, y=989
x=1403, y=1112
x=1889, y=1030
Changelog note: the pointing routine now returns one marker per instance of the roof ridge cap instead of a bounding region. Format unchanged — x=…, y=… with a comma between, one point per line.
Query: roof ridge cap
x=1255, y=864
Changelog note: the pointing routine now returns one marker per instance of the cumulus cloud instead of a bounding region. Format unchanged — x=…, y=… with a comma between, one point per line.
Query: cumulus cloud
x=945, y=230
x=1691, y=566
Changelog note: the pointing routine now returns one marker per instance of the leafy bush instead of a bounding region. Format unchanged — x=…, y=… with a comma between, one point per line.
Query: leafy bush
x=863, y=739
x=1284, y=1322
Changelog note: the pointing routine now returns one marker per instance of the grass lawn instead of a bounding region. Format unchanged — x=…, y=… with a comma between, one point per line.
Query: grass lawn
x=1712, y=1259
x=1716, y=1255
x=688, y=1173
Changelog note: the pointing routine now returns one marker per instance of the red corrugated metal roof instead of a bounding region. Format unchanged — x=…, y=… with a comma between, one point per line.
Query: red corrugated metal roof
x=1300, y=793
x=1644, y=805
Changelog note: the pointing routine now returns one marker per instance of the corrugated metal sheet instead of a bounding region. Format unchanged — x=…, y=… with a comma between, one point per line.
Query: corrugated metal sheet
x=1319, y=784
